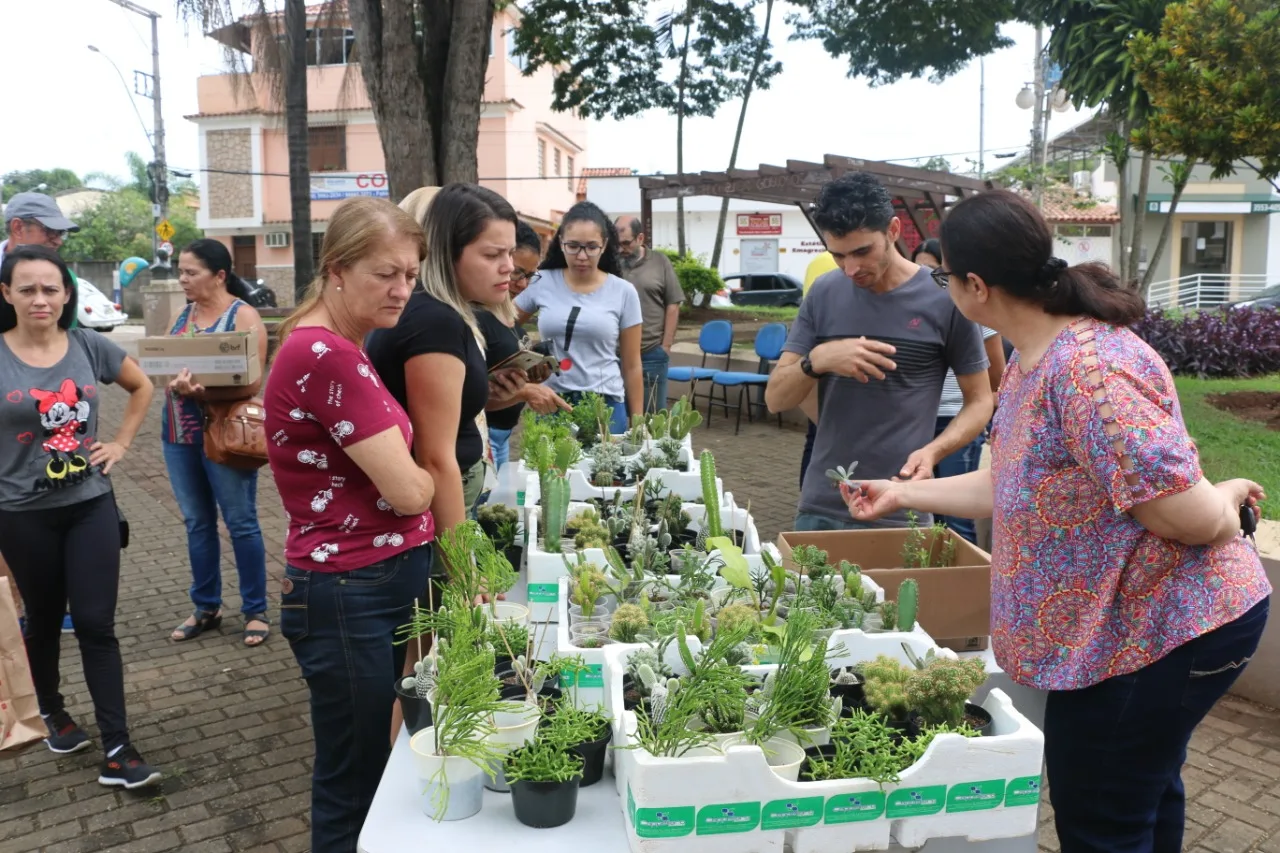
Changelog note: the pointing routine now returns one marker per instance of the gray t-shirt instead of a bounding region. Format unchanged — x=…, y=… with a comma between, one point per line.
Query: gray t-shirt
x=48, y=419
x=584, y=328
x=952, y=397
x=880, y=423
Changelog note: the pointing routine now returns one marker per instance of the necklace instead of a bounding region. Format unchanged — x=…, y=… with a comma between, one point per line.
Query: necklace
x=195, y=310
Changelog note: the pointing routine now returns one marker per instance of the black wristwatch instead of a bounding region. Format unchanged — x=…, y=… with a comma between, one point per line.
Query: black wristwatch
x=806, y=365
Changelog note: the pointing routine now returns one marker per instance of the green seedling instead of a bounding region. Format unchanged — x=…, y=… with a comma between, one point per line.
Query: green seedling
x=841, y=475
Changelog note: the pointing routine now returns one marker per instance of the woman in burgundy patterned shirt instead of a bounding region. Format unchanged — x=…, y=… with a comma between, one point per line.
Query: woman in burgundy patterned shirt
x=1120, y=582
x=358, y=549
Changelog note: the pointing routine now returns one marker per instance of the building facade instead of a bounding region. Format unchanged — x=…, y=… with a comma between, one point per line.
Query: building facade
x=526, y=151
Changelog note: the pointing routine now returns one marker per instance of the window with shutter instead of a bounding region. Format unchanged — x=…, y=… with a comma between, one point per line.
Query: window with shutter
x=327, y=148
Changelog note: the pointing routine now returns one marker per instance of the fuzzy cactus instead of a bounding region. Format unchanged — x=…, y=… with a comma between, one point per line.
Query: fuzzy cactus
x=940, y=690
x=845, y=677
x=733, y=616
x=645, y=666
x=628, y=621
x=908, y=604
x=869, y=600
x=710, y=500
x=425, y=676
x=889, y=615
x=886, y=687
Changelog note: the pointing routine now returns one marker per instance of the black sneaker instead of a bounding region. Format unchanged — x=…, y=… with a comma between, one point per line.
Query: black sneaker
x=126, y=769
x=64, y=735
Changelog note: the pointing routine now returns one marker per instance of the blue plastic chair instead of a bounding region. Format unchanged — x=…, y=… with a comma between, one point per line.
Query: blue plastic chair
x=769, y=342
x=715, y=338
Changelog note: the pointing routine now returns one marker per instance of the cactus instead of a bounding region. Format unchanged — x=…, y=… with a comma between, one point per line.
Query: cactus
x=628, y=621
x=566, y=453
x=908, y=603
x=555, y=503
x=940, y=690
x=670, y=449
x=845, y=677
x=919, y=662
x=602, y=478
x=869, y=600
x=885, y=689
x=646, y=662
x=684, y=418
x=733, y=616
x=889, y=615
x=425, y=676
x=710, y=500
x=851, y=573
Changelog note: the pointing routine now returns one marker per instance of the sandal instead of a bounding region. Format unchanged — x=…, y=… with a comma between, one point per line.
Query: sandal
x=206, y=620
x=254, y=637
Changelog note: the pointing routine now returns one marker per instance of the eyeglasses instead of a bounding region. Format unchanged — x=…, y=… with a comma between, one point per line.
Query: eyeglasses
x=626, y=244
x=522, y=275
x=941, y=277
x=590, y=249
x=62, y=235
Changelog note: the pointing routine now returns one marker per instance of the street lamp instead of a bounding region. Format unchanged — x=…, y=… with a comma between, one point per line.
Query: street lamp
x=124, y=83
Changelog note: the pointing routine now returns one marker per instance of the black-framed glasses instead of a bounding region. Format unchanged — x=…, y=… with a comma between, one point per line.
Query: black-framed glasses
x=51, y=232
x=523, y=275
x=589, y=249
x=941, y=277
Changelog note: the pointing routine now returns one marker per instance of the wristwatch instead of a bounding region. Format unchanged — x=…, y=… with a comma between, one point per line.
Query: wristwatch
x=806, y=365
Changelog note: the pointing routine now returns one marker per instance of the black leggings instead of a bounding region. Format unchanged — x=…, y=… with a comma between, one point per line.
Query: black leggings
x=71, y=554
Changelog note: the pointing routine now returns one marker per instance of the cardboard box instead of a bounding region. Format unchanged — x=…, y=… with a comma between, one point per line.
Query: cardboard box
x=955, y=601
x=215, y=360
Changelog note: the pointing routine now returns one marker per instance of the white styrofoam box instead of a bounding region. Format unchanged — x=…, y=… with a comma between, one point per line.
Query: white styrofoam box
x=687, y=456
x=686, y=484
x=977, y=788
x=732, y=517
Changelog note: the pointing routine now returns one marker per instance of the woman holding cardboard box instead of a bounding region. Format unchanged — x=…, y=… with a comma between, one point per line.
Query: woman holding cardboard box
x=60, y=530
x=1120, y=581
x=202, y=486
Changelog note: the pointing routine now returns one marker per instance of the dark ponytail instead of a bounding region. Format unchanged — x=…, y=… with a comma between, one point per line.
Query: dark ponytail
x=585, y=211
x=1002, y=238
x=217, y=258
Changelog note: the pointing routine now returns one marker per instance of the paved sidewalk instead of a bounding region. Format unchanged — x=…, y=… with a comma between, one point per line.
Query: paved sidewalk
x=229, y=726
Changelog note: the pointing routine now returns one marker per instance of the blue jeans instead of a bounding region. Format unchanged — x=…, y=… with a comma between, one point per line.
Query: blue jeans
x=341, y=627
x=618, y=424
x=500, y=441
x=963, y=461
x=654, y=364
x=202, y=489
x=1115, y=750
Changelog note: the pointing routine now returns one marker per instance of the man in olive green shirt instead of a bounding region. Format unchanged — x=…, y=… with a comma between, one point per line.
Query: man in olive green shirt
x=655, y=281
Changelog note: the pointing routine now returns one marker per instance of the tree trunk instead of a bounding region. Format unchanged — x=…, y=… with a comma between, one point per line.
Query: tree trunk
x=1139, y=219
x=1123, y=202
x=295, y=111
x=684, y=74
x=459, y=128
x=1166, y=229
x=761, y=46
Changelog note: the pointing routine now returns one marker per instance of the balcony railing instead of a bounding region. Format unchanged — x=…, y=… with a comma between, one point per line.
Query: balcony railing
x=1206, y=290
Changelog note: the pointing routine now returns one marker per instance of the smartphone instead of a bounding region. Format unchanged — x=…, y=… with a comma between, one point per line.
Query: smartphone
x=527, y=360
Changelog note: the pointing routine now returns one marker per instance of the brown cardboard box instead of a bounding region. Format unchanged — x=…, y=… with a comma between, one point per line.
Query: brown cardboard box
x=215, y=360
x=955, y=601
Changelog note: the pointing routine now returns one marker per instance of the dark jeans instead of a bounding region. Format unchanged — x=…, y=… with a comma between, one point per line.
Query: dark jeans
x=1115, y=750
x=202, y=488
x=617, y=407
x=340, y=626
x=808, y=451
x=963, y=461
x=654, y=364
x=71, y=554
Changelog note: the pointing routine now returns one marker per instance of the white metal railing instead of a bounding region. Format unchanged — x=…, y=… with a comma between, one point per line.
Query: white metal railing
x=1205, y=290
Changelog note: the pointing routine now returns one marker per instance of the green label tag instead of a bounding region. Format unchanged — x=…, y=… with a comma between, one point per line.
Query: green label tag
x=791, y=814
x=593, y=677
x=851, y=808
x=519, y=498
x=631, y=805
x=544, y=593
x=915, y=802
x=1023, y=791
x=664, y=823
x=975, y=796
x=725, y=818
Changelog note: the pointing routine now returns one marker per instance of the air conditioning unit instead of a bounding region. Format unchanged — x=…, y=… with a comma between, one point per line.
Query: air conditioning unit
x=1082, y=182
x=278, y=240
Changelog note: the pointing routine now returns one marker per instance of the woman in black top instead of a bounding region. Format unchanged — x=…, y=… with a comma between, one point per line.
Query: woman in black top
x=432, y=361
x=504, y=337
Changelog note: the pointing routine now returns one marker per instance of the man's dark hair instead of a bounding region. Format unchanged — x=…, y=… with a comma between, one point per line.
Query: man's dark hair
x=853, y=202
x=634, y=223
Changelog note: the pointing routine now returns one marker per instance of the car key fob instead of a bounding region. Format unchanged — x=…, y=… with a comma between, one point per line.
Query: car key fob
x=1248, y=521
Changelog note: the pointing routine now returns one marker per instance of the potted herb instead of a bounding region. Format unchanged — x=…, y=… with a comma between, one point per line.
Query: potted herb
x=940, y=692
x=583, y=731
x=544, y=781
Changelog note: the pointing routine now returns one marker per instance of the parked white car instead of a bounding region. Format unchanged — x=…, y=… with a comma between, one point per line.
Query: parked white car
x=95, y=311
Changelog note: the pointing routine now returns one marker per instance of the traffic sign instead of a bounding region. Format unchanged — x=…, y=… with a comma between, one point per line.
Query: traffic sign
x=164, y=230
x=167, y=248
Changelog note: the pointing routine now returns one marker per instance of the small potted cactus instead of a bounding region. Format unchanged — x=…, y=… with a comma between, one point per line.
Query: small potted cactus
x=940, y=691
x=886, y=692
x=628, y=624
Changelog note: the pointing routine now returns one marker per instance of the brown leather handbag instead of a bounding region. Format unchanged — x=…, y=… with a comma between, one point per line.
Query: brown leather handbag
x=235, y=433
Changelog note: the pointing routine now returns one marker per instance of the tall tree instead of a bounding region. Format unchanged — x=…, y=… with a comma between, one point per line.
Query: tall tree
x=297, y=133
x=54, y=181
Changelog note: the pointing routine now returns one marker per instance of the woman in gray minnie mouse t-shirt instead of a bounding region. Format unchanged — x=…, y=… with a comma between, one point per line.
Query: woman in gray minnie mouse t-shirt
x=59, y=527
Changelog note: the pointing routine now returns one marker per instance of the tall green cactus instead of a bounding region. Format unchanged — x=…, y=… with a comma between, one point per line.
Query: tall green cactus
x=555, y=502
x=908, y=604
x=710, y=500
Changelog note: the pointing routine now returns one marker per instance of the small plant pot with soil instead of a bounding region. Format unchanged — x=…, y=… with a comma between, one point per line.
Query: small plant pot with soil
x=514, y=555
x=978, y=718
x=592, y=642
x=582, y=630
x=455, y=794
x=544, y=784
x=416, y=709
x=783, y=756
x=821, y=753
x=592, y=754
x=600, y=612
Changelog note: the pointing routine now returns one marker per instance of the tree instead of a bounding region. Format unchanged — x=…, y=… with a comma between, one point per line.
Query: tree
x=1213, y=75
x=118, y=226
x=297, y=139
x=54, y=181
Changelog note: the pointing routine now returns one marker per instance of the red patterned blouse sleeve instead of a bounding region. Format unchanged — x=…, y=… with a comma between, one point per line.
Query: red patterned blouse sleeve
x=342, y=392
x=1121, y=422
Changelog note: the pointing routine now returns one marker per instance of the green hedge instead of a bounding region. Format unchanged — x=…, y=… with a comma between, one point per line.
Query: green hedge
x=694, y=275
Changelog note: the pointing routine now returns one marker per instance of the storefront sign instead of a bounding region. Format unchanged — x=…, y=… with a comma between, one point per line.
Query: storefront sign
x=329, y=186
x=759, y=223
x=1265, y=207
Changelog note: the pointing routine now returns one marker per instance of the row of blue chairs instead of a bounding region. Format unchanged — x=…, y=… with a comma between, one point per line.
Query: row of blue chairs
x=716, y=339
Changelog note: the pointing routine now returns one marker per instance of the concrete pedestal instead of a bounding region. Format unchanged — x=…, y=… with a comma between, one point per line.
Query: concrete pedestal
x=161, y=301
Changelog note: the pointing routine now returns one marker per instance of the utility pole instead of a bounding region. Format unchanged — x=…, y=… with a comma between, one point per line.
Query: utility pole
x=982, y=118
x=158, y=169
x=1038, y=118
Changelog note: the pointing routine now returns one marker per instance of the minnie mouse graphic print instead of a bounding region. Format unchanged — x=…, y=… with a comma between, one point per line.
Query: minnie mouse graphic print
x=48, y=421
x=323, y=395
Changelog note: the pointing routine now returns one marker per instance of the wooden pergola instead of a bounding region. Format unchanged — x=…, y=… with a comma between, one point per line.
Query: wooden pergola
x=916, y=191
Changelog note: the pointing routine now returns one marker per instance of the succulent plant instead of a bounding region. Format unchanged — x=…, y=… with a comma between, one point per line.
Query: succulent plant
x=940, y=690
x=645, y=666
x=628, y=621
x=840, y=474
x=886, y=687
x=889, y=615
x=733, y=616
x=908, y=604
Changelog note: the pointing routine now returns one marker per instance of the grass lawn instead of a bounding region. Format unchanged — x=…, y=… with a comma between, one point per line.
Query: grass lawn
x=744, y=313
x=1231, y=447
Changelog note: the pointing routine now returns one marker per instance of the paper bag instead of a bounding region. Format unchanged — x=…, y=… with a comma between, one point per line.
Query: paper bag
x=20, y=721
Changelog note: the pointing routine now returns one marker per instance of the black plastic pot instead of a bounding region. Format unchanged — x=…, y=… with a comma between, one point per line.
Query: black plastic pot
x=514, y=553
x=490, y=528
x=543, y=805
x=416, y=710
x=979, y=718
x=593, y=753
x=908, y=728
x=630, y=696
x=852, y=694
x=547, y=696
x=826, y=751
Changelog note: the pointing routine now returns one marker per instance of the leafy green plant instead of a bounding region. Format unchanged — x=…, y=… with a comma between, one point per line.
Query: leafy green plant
x=695, y=276
x=571, y=725
x=542, y=761
x=840, y=475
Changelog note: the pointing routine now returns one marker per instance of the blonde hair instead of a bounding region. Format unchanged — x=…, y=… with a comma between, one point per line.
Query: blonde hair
x=357, y=228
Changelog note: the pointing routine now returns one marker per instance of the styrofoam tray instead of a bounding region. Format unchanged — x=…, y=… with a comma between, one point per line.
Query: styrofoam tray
x=686, y=484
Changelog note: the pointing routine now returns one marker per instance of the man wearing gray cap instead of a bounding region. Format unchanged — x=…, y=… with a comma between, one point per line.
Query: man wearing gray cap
x=33, y=219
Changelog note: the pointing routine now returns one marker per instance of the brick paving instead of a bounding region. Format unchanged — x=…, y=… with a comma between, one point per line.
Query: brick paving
x=229, y=725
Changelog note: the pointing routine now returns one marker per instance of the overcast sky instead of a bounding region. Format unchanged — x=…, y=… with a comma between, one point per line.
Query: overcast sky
x=68, y=108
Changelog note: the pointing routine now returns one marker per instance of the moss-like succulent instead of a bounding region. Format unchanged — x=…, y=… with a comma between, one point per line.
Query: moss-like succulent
x=940, y=690
x=628, y=621
x=886, y=687
x=733, y=616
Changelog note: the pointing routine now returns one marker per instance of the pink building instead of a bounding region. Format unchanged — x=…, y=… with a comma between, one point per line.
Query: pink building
x=527, y=152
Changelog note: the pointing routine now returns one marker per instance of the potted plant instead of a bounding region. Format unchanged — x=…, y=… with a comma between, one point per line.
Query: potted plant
x=584, y=731
x=628, y=624
x=886, y=692
x=555, y=508
x=940, y=691
x=492, y=517
x=544, y=781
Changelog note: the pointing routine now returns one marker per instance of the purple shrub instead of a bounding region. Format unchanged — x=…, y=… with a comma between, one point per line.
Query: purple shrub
x=1215, y=344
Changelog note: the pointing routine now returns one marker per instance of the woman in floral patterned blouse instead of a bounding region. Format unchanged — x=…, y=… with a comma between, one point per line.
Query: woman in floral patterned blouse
x=1120, y=582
